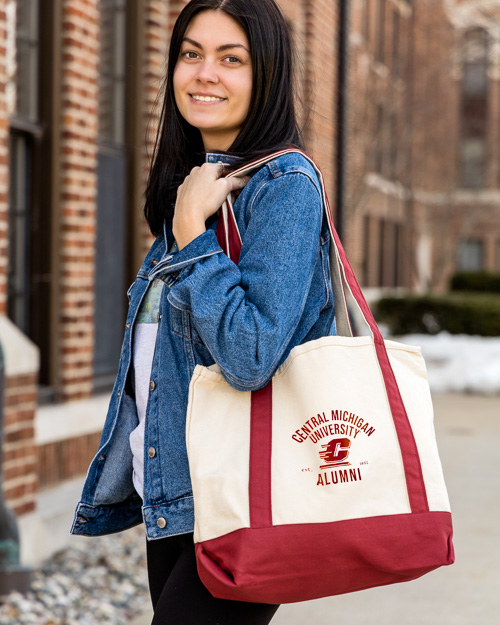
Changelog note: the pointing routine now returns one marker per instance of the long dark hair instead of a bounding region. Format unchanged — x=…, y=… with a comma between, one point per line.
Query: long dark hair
x=271, y=121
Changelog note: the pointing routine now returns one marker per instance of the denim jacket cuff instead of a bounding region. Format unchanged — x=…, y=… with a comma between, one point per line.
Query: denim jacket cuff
x=204, y=245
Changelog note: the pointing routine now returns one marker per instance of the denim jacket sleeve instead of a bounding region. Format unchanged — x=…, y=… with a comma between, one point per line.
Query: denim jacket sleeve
x=246, y=314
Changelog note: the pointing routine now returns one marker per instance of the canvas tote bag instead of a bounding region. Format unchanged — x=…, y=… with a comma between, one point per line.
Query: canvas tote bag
x=327, y=480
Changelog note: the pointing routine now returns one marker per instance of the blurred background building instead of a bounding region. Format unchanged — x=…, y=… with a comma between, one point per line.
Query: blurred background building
x=423, y=190
x=400, y=102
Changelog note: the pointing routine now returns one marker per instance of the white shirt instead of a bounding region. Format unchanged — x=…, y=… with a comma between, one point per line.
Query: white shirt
x=143, y=350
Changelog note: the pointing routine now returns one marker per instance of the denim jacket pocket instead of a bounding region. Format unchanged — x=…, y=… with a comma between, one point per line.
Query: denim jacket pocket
x=182, y=324
x=196, y=351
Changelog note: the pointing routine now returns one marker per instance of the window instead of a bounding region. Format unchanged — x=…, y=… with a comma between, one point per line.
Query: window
x=474, y=110
x=18, y=300
x=396, y=52
x=112, y=71
x=388, y=253
x=380, y=54
x=367, y=250
x=393, y=147
x=473, y=157
x=23, y=52
x=379, y=140
x=470, y=255
x=111, y=252
x=22, y=63
x=29, y=286
x=367, y=21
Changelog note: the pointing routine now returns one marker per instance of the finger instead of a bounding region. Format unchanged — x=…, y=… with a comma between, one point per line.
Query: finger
x=212, y=166
x=238, y=182
x=221, y=167
x=212, y=171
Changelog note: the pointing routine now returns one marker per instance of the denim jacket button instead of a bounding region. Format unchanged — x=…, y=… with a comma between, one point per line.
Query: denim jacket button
x=152, y=385
x=161, y=523
x=151, y=452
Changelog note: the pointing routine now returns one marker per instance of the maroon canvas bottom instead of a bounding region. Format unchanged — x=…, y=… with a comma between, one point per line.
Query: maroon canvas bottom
x=289, y=563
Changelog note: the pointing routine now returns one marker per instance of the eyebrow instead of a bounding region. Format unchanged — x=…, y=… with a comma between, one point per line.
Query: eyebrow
x=223, y=48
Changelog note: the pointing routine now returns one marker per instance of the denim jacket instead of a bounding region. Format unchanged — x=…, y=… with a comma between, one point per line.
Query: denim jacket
x=245, y=317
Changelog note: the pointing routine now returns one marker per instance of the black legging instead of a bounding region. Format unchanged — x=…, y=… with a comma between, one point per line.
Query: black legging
x=179, y=597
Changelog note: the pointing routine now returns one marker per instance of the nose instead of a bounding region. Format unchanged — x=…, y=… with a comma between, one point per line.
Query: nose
x=207, y=72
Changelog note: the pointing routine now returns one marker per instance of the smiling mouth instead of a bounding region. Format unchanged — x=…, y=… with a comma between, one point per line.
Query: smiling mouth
x=205, y=98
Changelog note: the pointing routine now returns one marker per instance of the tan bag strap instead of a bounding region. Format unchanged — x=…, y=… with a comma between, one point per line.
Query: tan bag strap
x=230, y=239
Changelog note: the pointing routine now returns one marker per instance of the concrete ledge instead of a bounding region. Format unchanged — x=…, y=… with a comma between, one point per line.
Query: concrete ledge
x=57, y=422
x=20, y=353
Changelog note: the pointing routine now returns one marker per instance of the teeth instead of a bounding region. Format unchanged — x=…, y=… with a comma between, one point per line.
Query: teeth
x=204, y=98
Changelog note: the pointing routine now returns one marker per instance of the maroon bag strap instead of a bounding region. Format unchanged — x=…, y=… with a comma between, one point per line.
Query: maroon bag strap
x=343, y=279
x=228, y=234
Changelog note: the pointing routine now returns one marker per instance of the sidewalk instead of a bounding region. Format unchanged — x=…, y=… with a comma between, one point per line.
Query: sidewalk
x=467, y=593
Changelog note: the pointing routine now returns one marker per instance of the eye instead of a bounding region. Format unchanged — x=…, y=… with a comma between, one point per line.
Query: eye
x=190, y=55
x=232, y=60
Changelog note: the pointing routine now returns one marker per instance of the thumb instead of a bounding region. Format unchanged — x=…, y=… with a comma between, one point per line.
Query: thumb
x=238, y=182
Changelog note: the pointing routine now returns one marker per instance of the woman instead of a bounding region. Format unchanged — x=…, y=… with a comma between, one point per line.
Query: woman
x=228, y=99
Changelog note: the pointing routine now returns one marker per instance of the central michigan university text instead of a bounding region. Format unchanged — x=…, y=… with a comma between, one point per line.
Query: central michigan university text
x=321, y=426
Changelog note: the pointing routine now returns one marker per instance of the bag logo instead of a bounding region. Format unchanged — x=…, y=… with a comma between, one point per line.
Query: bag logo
x=335, y=453
x=344, y=426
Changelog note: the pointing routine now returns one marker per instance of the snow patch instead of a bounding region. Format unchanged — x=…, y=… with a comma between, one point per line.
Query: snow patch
x=460, y=363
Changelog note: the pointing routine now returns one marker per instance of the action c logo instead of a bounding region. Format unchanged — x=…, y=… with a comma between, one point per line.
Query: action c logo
x=335, y=452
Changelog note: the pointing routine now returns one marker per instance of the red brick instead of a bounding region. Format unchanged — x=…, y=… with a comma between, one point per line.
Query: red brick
x=21, y=490
x=25, y=508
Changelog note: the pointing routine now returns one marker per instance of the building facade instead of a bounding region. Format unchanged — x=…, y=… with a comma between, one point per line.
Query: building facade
x=458, y=205
x=423, y=188
x=379, y=141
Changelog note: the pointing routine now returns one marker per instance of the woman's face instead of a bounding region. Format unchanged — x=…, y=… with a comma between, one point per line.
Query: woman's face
x=213, y=78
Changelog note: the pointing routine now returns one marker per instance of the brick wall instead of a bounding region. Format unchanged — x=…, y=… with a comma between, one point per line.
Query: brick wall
x=158, y=16
x=379, y=143
x=436, y=101
x=66, y=459
x=407, y=210
x=19, y=359
x=4, y=158
x=321, y=19
x=445, y=212
x=78, y=195
x=20, y=466
x=174, y=8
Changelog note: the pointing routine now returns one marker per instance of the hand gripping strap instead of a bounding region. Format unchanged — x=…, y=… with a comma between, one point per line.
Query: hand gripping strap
x=342, y=277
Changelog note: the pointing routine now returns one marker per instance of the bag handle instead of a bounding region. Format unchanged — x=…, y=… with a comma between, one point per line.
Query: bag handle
x=342, y=277
x=229, y=238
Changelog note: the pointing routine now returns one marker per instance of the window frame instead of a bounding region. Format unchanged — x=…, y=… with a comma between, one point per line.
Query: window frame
x=474, y=112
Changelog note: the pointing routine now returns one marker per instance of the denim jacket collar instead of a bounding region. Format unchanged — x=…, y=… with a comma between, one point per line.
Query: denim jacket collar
x=215, y=157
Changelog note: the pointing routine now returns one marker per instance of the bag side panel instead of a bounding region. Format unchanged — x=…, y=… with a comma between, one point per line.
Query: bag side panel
x=218, y=435
x=411, y=376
